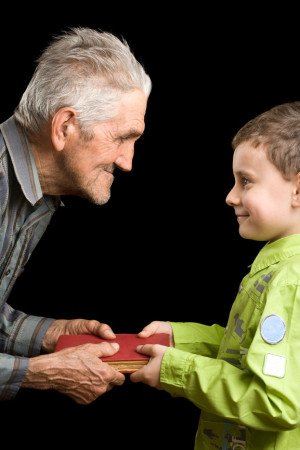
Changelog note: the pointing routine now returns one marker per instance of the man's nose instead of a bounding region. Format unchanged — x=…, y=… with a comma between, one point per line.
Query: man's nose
x=124, y=160
x=233, y=198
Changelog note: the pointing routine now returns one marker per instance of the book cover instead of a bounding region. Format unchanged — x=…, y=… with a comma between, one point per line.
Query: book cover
x=127, y=359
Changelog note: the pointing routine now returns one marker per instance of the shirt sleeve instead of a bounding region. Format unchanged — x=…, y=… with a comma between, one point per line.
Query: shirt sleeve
x=197, y=338
x=12, y=373
x=265, y=394
x=21, y=334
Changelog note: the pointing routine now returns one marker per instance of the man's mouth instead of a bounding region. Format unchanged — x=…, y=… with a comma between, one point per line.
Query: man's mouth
x=108, y=168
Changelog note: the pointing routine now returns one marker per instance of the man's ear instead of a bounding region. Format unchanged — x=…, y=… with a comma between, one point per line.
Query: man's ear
x=296, y=191
x=63, y=124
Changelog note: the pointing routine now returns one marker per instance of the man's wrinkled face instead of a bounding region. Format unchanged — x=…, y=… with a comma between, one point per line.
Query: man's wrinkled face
x=89, y=164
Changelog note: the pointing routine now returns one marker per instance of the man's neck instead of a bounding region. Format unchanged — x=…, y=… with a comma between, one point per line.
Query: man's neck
x=51, y=176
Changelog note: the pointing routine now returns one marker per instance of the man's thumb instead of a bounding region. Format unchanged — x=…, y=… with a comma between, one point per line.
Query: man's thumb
x=104, y=349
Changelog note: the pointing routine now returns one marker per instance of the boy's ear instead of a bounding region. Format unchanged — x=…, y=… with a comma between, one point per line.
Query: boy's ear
x=296, y=192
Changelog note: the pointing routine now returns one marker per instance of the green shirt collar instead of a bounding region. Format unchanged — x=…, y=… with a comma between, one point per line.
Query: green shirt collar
x=276, y=251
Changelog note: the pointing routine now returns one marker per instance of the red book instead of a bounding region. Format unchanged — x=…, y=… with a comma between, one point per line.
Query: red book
x=127, y=359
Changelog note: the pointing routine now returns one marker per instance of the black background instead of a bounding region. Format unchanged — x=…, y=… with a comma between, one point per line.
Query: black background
x=165, y=247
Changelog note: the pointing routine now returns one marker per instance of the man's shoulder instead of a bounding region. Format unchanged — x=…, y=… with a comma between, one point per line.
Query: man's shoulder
x=4, y=177
x=3, y=149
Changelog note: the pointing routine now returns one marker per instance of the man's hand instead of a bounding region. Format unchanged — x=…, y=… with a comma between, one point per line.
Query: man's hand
x=150, y=373
x=158, y=327
x=77, y=372
x=75, y=326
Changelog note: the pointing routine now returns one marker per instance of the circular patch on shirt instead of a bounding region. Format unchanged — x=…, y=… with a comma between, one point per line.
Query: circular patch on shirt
x=272, y=329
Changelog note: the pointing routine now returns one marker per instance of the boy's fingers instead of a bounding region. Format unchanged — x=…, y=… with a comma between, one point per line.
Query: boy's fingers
x=148, y=330
x=144, y=333
x=137, y=376
x=146, y=349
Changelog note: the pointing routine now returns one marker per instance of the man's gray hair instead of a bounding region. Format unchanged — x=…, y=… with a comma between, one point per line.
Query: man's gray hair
x=84, y=69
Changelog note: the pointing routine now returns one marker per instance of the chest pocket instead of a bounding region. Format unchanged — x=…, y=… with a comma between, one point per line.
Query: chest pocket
x=244, y=318
x=242, y=324
x=238, y=320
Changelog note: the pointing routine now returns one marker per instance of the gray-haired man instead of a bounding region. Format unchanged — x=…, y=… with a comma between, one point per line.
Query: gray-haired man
x=77, y=120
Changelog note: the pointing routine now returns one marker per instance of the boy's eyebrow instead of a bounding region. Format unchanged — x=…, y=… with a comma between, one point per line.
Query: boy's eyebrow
x=243, y=173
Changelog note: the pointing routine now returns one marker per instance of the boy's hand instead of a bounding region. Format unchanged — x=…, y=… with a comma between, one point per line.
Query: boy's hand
x=158, y=327
x=149, y=374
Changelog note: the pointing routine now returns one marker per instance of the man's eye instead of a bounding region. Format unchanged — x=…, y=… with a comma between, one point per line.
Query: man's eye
x=122, y=140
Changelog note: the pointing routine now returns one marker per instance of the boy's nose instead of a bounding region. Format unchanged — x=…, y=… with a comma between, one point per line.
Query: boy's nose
x=233, y=199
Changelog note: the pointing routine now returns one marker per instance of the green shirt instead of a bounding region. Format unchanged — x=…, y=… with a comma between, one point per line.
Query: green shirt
x=246, y=378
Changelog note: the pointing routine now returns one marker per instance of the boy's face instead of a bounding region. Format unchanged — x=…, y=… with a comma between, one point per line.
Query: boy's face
x=262, y=199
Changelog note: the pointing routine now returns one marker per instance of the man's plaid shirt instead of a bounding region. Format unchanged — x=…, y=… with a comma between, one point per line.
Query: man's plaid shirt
x=24, y=216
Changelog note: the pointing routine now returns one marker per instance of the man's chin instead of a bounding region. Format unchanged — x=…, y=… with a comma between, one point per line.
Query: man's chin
x=101, y=200
x=98, y=199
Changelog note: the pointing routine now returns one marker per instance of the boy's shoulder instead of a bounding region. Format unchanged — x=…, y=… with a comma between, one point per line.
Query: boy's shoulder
x=287, y=271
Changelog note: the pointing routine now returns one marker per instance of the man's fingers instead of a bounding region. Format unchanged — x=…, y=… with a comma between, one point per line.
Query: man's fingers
x=105, y=331
x=149, y=329
x=102, y=349
x=118, y=380
x=99, y=329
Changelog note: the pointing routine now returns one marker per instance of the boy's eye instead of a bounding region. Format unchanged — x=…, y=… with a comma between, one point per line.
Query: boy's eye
x=245, y=181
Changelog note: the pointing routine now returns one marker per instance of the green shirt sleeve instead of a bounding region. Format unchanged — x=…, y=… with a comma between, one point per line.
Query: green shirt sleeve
x=197, y=338
x=248, y=395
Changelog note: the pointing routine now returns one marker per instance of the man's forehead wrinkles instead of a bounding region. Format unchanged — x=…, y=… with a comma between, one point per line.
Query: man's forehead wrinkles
x=129, y=129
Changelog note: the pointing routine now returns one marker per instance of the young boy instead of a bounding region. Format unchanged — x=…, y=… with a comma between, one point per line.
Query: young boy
x=246, y=377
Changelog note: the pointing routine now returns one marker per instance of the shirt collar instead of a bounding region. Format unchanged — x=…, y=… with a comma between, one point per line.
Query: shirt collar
x=22, y=160
x=276, y=251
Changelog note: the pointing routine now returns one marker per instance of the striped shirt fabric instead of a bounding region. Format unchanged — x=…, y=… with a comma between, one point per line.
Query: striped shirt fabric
x=24, y=216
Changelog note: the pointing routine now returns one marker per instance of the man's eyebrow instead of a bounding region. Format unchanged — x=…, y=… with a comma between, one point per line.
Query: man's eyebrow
x=132, y=133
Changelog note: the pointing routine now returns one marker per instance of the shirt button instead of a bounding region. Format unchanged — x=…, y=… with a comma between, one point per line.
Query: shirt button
x=7, y=272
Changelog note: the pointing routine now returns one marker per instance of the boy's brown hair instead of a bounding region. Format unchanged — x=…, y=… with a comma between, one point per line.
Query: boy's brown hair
x=278, y=129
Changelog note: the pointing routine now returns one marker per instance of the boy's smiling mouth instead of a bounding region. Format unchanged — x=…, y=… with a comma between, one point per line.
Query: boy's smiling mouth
x=241, y=216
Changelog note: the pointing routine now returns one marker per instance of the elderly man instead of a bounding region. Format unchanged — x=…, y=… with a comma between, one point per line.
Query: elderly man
x=77, y=121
